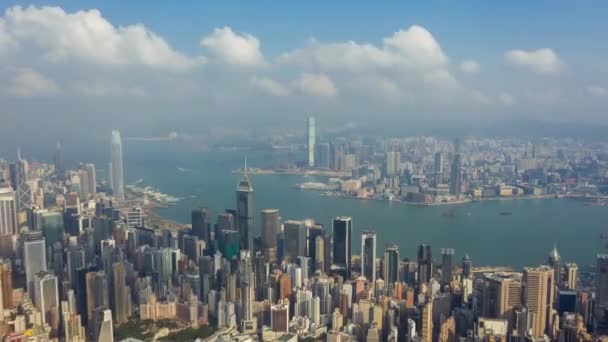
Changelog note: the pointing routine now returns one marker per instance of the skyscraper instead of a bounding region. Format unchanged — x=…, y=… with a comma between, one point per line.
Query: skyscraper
x=104, y=331
x=201, y=223
x=538, y=285
x=311, y=141
x=46, y=298
x=393, y=160
x=120, y=293
x=8, y=211
x=58, y=162
x=34, y=255
x=244, y=211
x=19, y=178
x=467, y=266
x=116, y=170
x=555, y=260
x=368, y=256
x=456, y=176
x=6, y=284
x=446, y=265
x=91, y=179
x=438, y=168
x=294, y=239
x=601, y=286
x=271, y=226
x=571, y=276
x=322, y=156
x=343, y=231
x=391, y=265
x=425, y=264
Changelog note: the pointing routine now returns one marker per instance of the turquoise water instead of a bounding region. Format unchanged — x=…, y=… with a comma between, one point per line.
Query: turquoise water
x=523, y=238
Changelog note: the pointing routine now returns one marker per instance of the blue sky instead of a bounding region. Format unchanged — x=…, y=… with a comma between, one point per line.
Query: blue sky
x=147, y=65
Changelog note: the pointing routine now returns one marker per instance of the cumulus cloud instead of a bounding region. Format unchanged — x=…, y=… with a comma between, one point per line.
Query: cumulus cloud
x=28, y=82
x=105, y=88
x=269, y=86
x=542, y=61
x=470, y=66
x=379, y=86
x=597, y=91
x=86, y=36
x=316, y=85
x=232, y=48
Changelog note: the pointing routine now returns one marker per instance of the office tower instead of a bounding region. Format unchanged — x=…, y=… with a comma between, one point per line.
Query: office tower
x=244, y=210
x=90, y=183
x=391, y=265
x=120, y=293
x=319, y=261
x=6, y=285
x=279, y=317
x=427, y=322
x=229, y=243
x=368, y=256
x=538, y=286
x=311, y=141
x=393, y=163
x=46, y=298
x=425, y=264
x=343, y=231
x=8, y=211
x=116, y=170
x=58, y=162
x=19, y=181
x=313, y=230
x=201, y=223
x=554, y=260
x=271, y=226
x=446, y=266
x=104, y=331
x=52, y=227
x=501, y=293
x=456, y=176
x=601, y=286
x=135, y=218
x=96, y=292
x=467, y=266
x=322, y=156
x=294, y=237
x=571, y=276
x=34, y=258
x=438, y=169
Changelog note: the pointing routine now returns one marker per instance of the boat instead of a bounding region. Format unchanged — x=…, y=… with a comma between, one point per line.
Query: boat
x=506, y=213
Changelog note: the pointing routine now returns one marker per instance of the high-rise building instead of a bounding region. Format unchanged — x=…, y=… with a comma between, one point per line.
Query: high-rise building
x=368, y=256
x=279, y=317
x=34, y=258
x=96, y=292
x=120, y=293
x=104, y=330
x=19, y=181
x=6, y=285
x=571, y=276
x=294, y=241
x=313, y=230
x=427, y=322
x=58, y=162
x=456, y=176
x=446, y=265
x=46, y=298
x=425, y=264
x=271, y=226
x=319, y=260
x=538, y=286
x=393, y=163
x=601, y=286
x=322, y=156
x=244, y=211
x=311, y=141
x=467, y=266
x=201, y=223
x=135, y=218
x=438, y=169
x=8, y=211
x=391, y=265
x=342, y=231
x=91, y=179
x=116, y=170
x=555, y=260
x=501, y=293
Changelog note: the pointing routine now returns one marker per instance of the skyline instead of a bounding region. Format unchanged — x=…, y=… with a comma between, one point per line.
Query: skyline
x=143, y=70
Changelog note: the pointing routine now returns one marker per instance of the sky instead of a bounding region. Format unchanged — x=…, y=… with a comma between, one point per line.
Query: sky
x=77, y=69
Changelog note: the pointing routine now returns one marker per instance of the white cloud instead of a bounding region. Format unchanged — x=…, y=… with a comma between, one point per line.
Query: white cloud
x=470, y=66
x=28, y=82
x=269, y=86
x=86, y=36
x=542, y=61
x=104, y=88
x=506, y=99
x=233, y=48
x=378, y=86
x=597, y=91
x=316, y=85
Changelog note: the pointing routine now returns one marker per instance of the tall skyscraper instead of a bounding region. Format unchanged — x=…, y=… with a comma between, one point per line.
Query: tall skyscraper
x=271, y=226
x=467, y=266
x=391, y=265
x=244, y=211
x=19, y=178
x=343, y=231
x=446, y=265
x=120, y=293
x=201, y=223
x=392, y=164
x=571, y=276
x=8, y=211
x=90, y=183
x=34, y=255
x=294, y=244
x=58, y=162
x=322, y=156
x=427, y=322
x=555, y=260
x=501, y=293
x=104, y=330
x=601, y=286
x=438, y=168
x=425, y=264
x=538, y=285
x=368, y=256
x=311, y=141
x=116, y=169
x=456, y=176
x=46, y=298
x=6, y=285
